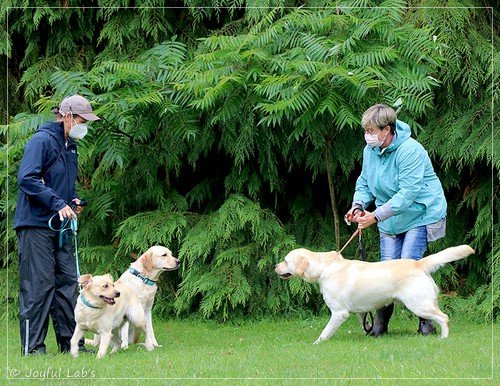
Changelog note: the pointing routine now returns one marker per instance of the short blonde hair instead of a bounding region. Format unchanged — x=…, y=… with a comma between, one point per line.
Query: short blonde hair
x=379, y=116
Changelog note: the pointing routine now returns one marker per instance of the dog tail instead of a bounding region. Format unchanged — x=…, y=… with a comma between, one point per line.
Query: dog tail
x=433, y=262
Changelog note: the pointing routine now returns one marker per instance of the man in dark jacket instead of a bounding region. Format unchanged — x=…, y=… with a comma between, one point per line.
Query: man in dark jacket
x=47, y=269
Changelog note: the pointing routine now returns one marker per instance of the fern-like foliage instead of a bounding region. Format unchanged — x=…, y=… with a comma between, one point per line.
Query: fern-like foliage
x=231, y=134
x=304, y=77
x=463, y=136
x=228, y=259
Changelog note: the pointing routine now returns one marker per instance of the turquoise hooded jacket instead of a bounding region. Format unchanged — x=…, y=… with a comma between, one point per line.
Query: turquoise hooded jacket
x=401, y=181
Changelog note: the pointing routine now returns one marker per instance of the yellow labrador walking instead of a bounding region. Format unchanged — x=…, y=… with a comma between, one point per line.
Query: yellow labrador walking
x=358, y=286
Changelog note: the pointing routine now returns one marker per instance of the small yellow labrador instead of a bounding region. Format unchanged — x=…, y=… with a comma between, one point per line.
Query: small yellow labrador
x=141, y=277
x=358, y=286
x=103, y=307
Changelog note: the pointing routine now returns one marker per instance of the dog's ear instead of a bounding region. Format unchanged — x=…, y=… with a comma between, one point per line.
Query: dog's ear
x=147, y=260
x=85, y=280
x=109, y=277
x=301, y=263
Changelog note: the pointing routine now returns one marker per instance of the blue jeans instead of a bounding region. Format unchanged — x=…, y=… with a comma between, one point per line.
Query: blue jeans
x=409, y=245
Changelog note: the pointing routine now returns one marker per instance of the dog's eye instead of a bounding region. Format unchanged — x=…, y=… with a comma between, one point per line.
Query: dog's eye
x=164, y=255
x=105, y=286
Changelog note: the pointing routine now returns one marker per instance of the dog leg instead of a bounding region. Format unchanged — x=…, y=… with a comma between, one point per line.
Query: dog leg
x=116, y=341
x=149, y=326
x=137, y=317
x=103, y=346
x=124, y=335
x=148, y=342
x=440, y=318
x=93, y=342
x=335, y=322
x=77, y=335
x=432, y=312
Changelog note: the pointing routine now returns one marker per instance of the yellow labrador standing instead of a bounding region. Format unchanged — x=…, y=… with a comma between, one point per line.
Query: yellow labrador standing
x=141, y=277
x=358, y=286
x=102, y=308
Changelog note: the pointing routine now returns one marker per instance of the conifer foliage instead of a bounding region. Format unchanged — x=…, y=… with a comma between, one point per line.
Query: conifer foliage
x=231, y=135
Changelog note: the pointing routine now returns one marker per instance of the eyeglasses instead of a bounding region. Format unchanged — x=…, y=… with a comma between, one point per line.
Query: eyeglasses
x=373, y=130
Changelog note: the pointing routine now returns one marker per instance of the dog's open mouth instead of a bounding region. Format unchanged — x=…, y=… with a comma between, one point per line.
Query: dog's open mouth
x=108, y=300
x=285, y=275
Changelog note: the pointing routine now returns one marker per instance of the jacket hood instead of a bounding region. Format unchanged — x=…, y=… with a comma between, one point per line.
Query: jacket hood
x=55, y=130
x=403, y=132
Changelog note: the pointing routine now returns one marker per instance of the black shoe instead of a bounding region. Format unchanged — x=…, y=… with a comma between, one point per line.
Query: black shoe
x=381, y=324
x=82, y=348
x=426, y=327
x=36, y=352
x=64, y=345
x=86, y=350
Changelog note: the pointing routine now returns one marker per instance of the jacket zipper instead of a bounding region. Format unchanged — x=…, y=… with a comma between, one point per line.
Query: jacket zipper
x=384, y=159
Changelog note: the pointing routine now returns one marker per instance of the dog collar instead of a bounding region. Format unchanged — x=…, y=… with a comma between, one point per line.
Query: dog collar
x=144, y=279
x=86, y=302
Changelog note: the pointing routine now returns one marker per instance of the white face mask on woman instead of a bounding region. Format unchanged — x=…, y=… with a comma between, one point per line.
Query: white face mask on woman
x=78, y=131
x=372, y=139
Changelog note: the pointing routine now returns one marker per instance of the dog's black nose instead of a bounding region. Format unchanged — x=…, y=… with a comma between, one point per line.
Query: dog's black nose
x=117, y=294
x=177, y=262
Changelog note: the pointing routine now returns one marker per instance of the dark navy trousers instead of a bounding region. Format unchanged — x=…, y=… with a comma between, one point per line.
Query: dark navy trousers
x=48, y=286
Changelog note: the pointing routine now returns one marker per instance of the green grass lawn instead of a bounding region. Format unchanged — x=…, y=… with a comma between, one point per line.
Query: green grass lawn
x=273, y=352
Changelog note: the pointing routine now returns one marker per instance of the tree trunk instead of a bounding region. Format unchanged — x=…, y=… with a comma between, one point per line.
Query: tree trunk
x=331, y=188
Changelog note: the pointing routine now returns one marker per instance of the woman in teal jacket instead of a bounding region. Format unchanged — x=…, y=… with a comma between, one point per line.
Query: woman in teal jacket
x=410, y=207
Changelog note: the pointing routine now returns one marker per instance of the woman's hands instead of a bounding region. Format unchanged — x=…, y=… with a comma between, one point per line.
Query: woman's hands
x=357, y=215
x=364, y=219
x=67, y=212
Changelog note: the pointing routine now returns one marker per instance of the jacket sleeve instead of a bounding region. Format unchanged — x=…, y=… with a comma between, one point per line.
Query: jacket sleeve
x=411, y=167
x=30, y=178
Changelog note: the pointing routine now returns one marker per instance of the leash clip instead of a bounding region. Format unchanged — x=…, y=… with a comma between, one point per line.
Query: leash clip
x=348, y=217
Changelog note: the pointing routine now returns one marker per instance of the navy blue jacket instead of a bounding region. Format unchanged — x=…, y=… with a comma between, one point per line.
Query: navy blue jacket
x=46, y=177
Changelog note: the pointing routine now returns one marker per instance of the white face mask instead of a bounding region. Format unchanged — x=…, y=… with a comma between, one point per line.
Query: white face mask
x=78, y=131
x=372, y=139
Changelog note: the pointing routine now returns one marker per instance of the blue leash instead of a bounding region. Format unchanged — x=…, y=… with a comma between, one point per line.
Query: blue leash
x=69, y=225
